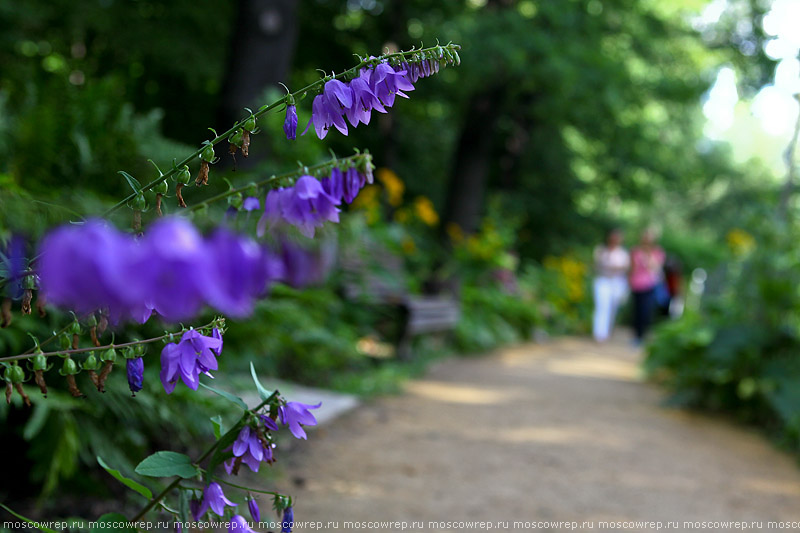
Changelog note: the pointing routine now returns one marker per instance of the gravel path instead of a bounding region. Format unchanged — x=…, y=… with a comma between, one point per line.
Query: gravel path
x=564, y=431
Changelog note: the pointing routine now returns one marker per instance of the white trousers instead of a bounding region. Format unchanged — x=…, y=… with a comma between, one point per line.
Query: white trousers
x=609, y=294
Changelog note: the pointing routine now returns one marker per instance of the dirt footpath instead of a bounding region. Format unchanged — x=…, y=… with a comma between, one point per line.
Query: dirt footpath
x=564, y=431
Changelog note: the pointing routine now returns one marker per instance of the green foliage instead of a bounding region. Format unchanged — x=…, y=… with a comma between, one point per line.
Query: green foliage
x=739, y=351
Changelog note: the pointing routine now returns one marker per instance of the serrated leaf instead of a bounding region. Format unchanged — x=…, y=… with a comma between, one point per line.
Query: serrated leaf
x=112, y=522
x=167, y=464
x=28, y=520
x=216, y=421
x=227, y=395
x=262, y=392
x=131, y=484
x=133, y=182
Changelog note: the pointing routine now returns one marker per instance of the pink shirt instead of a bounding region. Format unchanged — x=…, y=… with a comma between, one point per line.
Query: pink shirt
x=646, y=268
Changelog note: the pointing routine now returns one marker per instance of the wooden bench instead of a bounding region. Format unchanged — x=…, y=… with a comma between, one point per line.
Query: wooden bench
x=378, y=277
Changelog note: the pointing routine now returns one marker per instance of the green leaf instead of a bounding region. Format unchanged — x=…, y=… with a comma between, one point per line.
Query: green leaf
x=28, y=520
x=166, y=464
x=216, y=421
x=227, y=395
x=131, y=484
x=133, y=182
x=115, y=522
x=262, y=392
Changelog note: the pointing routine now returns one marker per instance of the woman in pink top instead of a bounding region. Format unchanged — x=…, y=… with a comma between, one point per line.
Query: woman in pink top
x=647, y=263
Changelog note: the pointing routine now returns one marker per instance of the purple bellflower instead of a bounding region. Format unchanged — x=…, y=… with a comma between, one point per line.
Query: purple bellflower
x=353, y=182
x=364, y=101
x=290, y=124
x=255, y=512
x=194, y=508
x=82, y=267
x=168, y=269
x=309, y=206
x=238, y=524
x=251, y=203
x=333, y=185
x=249, y=449
x=214, y=498
x=288, y=520
x=294, y=414
x=237, y=275
x=195, y=354
x=13, y=260
x=135, y=368
x=386, y=83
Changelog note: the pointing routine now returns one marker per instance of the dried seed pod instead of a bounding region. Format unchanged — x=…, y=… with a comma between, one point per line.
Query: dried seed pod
x=245, y=143
x=41, y=301
x=179, y=196
x=38, y=377
x=5, y=313
x=27, y=296
x=102, y=324
x=21, y=392
x=93, y=335
x=202, y=176
x=9, y=392
x=158, y=205
x=237, y=463
x=104, y=372
x=74, y=341
x=73, y=387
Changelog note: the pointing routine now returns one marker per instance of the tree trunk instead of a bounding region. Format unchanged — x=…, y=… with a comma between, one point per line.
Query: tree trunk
x=260, y=56
x=467, y=185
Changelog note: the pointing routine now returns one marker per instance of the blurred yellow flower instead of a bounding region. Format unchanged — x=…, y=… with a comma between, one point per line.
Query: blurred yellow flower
x=393, y=184
x=369, y=197
x=455, y=232
x=425, y=210
x=408, y=245
x=740, y=242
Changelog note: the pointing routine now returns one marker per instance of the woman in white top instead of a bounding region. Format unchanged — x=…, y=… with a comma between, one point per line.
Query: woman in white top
x=610, y=283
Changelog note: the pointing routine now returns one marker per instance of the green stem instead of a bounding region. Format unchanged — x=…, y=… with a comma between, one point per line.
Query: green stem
x=94, y=348
x=161, y=495
x=297, y=95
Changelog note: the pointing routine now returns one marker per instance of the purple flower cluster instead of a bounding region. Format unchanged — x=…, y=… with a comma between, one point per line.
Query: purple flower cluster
x=309, y=203
x=373, y=89
x=193, y=355
x=172, y=270
x=251, y=447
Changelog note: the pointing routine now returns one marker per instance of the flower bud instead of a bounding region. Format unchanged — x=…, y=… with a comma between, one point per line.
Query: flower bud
x=75, y=328
x=250, y=124
x=29, y=282
x=65, y=341
x=236, y=200
x=69, y=368
x=109, y=355
x=235, y=138
x=161, y=187
x=183, y=176
x=17, y=374
x=39, y=362
x=91, y=362
x=91, y=321
x=139, y=203
x=207, y=154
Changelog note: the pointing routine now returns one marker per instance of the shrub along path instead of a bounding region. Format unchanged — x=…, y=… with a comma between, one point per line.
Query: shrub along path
x=560, y=431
